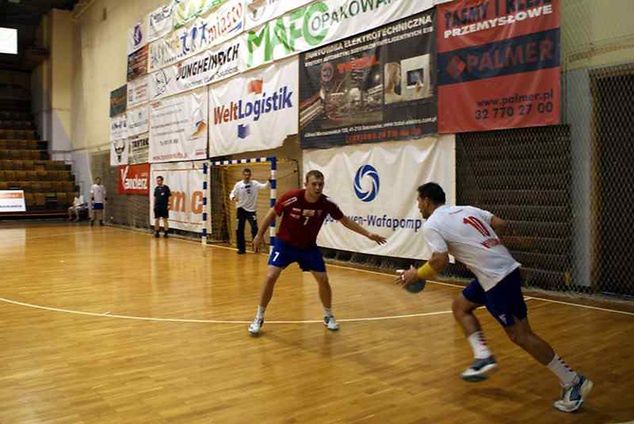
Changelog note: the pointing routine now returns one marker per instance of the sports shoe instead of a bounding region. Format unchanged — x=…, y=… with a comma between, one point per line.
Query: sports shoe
x=572, y=397
x=255, y=326
x=479, y=369
x=330, y=323
x=157, y=234
x=165, y=235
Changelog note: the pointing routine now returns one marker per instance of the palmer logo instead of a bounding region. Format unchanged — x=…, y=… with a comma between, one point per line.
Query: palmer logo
x=258, y=104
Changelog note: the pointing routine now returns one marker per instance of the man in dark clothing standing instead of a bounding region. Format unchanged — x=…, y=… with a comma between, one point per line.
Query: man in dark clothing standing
x=162, y=194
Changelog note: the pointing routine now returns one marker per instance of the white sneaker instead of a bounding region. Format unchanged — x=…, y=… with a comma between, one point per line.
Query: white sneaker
x=255, y=326
x=479, y=370
x=330, y=323
x=572, y=397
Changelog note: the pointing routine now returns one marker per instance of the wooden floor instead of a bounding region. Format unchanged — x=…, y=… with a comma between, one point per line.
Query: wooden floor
x=104, y=325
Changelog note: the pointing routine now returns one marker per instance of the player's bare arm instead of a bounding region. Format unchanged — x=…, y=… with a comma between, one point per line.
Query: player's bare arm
x=351, y=225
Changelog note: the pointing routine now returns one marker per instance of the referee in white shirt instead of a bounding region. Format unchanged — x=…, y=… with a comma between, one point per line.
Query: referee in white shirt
x=245, y=193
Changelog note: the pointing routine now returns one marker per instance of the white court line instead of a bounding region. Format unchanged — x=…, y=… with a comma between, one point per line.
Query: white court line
x=212, y=321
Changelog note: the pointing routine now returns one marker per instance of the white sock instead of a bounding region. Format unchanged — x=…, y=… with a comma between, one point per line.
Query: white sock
x=328, y=312
x=479, y=345
x=563, y=372
x=260, y=313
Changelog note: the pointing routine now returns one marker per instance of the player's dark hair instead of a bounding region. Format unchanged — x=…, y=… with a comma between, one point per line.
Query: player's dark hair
x=246, y=170
x=314, y=173
x=433, y=192
x=161, y=177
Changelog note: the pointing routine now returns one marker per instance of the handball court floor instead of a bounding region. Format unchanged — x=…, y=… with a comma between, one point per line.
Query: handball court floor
x=106, y=325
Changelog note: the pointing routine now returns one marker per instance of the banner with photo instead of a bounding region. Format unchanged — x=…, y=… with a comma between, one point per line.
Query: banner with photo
x=138, y=120
x=138, y=149
x=118, y=127
x=138, y=91
x=134, y=179
x=375, y=185
x=137, y=36
x=160, y=22
x=137, y=63
x=200, y=34
x=185, y=180
x=255, y=111
x=376, y=86
x=119, y=152
x=178, y=127
x=261, y=11
x=498, y=65
x=118, y=100
x=323, y=22
x=203, y=69
x=12, y=201
x=184, y=11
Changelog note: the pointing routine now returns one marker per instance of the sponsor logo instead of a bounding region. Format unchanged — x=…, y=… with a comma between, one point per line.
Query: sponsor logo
x=138, y=181
x=161, y=82
x=207, y=63
x=138, y=35
x=366, y=173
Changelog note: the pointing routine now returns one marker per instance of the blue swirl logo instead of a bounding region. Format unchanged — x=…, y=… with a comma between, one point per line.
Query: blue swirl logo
x=363, y=173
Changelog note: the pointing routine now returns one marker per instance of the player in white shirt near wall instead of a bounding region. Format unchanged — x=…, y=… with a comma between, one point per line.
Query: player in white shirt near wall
x=98, y=199
x=245, y=193
x=470, y=235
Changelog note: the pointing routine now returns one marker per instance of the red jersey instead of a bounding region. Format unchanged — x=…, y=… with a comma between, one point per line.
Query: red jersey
x=302, y=220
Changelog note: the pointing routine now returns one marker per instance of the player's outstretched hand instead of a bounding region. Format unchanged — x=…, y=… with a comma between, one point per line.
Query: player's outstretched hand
x=257, y=241
x=406, y=277
x=377, y=238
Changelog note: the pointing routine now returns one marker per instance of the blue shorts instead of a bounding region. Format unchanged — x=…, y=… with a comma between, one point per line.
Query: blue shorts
x=284, y=254
x=504, y=301
x=97, y=206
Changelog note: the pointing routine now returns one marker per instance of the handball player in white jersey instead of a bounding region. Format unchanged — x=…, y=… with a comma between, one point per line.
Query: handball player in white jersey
x=471, y=236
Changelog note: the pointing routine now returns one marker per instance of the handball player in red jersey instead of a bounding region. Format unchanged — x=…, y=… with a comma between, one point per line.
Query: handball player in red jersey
x=303, y=212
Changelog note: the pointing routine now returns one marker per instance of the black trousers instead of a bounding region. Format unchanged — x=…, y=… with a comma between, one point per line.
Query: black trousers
x=243, y=216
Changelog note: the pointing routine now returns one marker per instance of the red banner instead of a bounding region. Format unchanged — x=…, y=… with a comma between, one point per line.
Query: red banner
x=134, y=179
x=498, y=64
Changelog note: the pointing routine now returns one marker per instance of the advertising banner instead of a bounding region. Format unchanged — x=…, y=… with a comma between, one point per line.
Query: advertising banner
x=203, y=69
x=160, y=22
x=137, y=63
x=185, y=181
x=375, y=185
x=118, y=127
x=118, y=100
x=138, y=149
x=12, y=201
x=138, y=120
x=137, y=36
x=178, y=127
x=134, y=179
x=119, y=152
x=498, y=65
x=200, y=34
x=323, y=22
x=255, y=111
x=138, y=91
x=184, y=11
x=261, y=11
x=376, y=86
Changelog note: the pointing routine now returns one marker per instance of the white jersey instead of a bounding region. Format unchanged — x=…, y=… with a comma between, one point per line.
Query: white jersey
x=247, y=194
x=465, y=232
x=98, y=193
x=78, y=201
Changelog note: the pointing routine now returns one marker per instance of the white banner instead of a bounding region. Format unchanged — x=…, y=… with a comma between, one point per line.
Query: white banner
x=138, y=148
x=178, y=127
x=375, y=185
x=12, y=201
x=261, y=11
x=138, y=120
x=119, y=152
x=137, y=36
x=203, y=69
x=118, y=127
x=160, y=22
x=138, y=91
x=187, y=10
x=185, y=181
x=322, y=22
x=224, y=23
x=255, y=111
